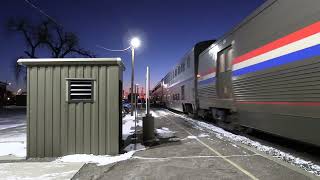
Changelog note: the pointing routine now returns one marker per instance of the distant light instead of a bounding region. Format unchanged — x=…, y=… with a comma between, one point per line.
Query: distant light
x=19, y=91
x=198, y=76
x=135, y=42
x=8, y=99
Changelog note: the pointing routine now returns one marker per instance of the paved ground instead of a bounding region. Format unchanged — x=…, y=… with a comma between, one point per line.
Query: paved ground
x=38, y=170
x=187, y=157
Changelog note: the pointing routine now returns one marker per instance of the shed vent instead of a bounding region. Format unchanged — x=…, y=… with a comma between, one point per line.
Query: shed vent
x=80, y=90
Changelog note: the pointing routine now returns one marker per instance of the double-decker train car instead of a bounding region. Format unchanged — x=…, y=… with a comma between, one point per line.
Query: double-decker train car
x=263, y=74
x=179, y=86
x=157, y=94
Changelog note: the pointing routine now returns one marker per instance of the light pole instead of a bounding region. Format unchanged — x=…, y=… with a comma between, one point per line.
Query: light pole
x=135, y=43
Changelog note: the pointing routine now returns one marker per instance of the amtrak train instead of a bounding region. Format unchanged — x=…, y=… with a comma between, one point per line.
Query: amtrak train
x=264, y=74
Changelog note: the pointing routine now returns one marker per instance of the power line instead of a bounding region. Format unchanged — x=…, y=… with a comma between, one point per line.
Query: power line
x=42, y=12
x=114, y=50
x=53, y=20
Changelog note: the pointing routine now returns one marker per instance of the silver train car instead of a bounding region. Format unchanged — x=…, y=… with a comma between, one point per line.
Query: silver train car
x=263, y=74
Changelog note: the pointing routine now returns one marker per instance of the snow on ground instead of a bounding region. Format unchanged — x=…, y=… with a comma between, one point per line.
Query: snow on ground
x=130, y=147
x=13, y=135
x=159, y=113
x=17, y=149
x=12, y=121
x=222, y=134
x=154, y=114
x=128, y=124
x=100, y=160
x=192, y=137
x=164, y=133
x=163, y=113
x=7, y=126
x=203, y=135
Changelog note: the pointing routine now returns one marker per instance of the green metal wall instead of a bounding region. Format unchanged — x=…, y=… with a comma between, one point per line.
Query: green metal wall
x=56, y=127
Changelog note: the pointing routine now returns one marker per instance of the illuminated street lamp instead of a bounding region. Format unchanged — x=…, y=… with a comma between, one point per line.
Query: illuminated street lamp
x=135, y=43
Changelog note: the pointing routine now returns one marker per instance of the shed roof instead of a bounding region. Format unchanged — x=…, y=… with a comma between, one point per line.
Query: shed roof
x=72, y=61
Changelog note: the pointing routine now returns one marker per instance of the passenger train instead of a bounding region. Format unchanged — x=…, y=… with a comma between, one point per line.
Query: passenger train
x=263, y=74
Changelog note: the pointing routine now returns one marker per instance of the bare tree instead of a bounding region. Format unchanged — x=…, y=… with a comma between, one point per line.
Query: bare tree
x=46, y=36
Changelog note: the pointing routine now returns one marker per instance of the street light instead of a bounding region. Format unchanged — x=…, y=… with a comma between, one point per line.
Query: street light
x=135, y=43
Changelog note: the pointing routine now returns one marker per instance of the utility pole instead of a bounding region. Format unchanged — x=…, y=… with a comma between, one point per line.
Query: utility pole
x=132, y=80
x=148, y=120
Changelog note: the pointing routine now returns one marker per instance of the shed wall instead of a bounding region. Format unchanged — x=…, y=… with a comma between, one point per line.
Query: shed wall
x=56, y=127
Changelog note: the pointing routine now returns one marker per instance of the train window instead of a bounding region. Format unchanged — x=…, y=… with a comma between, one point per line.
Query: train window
x=179, y=69
x=225, y=58
x=221, y=62
x=182, y=92
x=229, y=58
x=182, y=67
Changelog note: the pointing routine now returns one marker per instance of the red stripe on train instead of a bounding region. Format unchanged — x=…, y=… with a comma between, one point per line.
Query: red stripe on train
x=281, y=103
x=295, y=36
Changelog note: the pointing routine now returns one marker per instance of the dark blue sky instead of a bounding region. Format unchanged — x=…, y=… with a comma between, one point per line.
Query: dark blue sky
x=167, y=28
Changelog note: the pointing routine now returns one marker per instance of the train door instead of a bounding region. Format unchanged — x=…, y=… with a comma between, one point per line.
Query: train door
x=224, y=73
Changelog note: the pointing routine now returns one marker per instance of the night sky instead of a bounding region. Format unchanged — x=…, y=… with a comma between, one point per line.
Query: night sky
x=167, y=28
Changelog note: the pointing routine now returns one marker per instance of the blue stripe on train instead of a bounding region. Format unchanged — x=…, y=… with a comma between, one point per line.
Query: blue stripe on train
x=285, y=59
x=207, y=81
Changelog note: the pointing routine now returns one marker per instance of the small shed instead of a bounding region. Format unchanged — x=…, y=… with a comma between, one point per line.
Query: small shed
x=73, y=106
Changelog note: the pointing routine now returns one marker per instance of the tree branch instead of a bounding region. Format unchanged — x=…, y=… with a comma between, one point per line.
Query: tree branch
x=24, y=31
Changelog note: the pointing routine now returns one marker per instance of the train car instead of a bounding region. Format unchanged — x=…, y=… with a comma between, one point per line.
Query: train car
x=266, y=71
x=180, y=84
x=263, y=74
x=157, y=94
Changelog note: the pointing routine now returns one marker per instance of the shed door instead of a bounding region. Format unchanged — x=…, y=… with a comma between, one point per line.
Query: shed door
x=224, y=73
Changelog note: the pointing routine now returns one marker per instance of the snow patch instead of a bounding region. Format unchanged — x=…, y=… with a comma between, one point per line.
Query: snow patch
x=234, y=145
x=100, y=160
x=128, y=123
x=192, y=137
x=225, y=135
x=163, y=113
x=7, y=126
x=203, y=135
x=154, y=114
x=13, y=136
x=130, y=147
x=17, y=149
x=164, y=133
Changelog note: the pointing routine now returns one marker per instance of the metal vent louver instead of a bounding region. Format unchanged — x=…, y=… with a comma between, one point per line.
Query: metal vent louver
x=80, y=90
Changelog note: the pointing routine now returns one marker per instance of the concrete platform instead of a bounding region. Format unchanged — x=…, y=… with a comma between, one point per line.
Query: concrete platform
x=39, y=170
x=190, y=156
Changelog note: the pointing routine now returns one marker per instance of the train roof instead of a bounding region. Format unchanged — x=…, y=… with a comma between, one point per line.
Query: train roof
x=251, y=16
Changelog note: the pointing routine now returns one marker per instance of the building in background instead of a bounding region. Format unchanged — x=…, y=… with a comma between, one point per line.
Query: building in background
x=3, y=89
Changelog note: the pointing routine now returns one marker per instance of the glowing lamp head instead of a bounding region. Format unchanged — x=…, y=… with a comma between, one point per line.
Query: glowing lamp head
x=135, y=42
